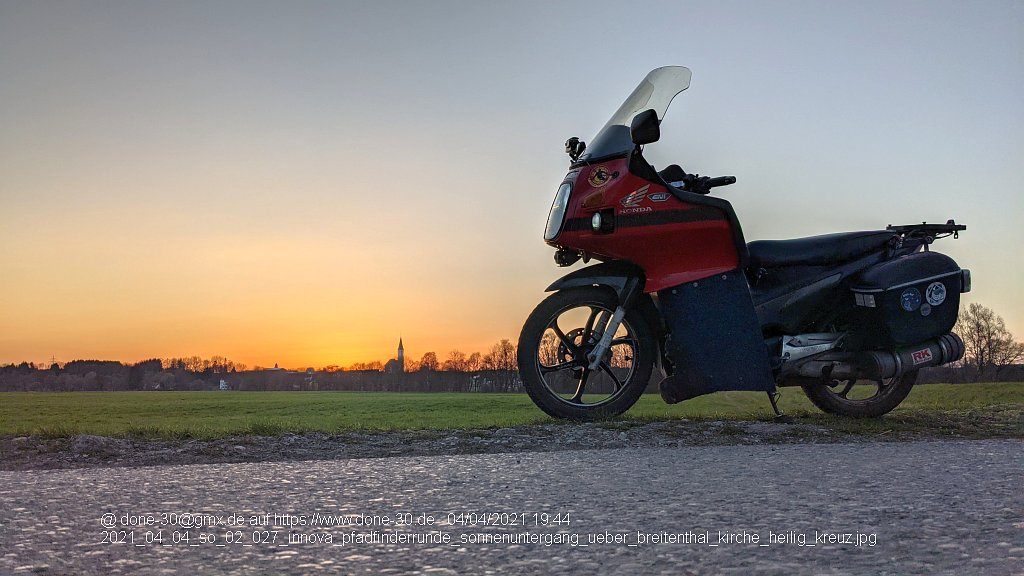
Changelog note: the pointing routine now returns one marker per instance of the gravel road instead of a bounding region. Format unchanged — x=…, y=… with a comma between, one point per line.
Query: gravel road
x=951, y=507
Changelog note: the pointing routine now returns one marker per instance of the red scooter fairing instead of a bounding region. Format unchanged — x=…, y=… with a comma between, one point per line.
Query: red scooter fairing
x=616, y=207
x=642, y=221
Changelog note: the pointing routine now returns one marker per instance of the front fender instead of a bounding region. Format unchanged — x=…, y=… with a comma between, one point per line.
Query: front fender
x=622, y=277
x=616, y=275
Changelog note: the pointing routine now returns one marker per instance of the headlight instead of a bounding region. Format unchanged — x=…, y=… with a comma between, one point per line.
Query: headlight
x=557, y=213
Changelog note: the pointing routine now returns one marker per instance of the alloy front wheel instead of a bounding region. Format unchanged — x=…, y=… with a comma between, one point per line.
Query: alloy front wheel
x=554, y=347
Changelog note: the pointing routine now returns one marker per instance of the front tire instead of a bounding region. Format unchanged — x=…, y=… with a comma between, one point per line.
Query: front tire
x=553, y=348
x=861, y=398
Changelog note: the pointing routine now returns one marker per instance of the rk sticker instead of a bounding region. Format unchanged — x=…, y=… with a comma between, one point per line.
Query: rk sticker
x=634, y=198
x=922, y=356
x=599, y=177
x=935, y=293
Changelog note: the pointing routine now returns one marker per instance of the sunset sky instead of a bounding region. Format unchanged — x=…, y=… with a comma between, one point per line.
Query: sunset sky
x=305, y=182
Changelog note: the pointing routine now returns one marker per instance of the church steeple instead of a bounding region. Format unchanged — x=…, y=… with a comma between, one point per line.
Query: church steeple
x=401, y=355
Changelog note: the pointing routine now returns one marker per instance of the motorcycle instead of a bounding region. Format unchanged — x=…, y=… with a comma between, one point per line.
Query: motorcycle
x=849, y=317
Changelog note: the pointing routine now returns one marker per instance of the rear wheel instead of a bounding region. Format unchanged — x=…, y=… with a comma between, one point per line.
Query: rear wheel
x=553, y=350
x=860, y=398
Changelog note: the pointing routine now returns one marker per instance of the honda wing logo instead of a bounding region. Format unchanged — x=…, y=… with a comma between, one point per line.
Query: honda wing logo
x=633, y=199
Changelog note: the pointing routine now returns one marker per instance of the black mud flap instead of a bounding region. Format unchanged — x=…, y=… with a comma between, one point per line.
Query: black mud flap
x=715, y=343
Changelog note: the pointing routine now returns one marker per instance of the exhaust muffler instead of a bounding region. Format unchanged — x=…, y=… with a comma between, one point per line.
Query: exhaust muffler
x=883, y=364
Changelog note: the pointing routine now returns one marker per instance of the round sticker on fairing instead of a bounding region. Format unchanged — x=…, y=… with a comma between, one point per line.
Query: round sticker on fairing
x=599, y=177
x=936, y=293
x=925, y=309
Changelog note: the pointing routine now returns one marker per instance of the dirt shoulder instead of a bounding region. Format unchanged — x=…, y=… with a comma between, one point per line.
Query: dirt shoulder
x=85, y=451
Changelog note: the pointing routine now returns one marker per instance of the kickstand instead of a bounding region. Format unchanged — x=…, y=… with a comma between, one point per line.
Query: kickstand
x=780, y=418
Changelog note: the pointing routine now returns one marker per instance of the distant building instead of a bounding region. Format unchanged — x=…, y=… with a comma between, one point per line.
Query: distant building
x=397, y=366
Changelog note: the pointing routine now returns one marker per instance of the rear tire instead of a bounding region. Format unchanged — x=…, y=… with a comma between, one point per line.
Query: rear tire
x=553, y=346
x=839, y=398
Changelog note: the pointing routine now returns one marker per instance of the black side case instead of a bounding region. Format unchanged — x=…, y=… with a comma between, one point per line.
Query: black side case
x=907, y=300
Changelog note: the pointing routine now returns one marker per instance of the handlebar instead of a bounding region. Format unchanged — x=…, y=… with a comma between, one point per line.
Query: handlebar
x=720, y=181
x=704, y=184
x=674, y=175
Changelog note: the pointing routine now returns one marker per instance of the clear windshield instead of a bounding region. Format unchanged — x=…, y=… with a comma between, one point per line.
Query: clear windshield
x=656, y=92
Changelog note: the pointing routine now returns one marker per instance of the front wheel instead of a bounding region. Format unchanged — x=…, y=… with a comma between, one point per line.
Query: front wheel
x=553, y=349
x=860, y=398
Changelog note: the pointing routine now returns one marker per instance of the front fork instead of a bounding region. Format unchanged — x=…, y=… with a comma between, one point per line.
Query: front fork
x=607, y=332
x=605, y=329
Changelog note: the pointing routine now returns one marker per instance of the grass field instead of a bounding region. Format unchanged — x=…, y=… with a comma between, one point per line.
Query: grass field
x=986, y=409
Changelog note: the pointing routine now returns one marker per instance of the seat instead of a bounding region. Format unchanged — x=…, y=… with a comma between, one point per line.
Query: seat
x=816, y=250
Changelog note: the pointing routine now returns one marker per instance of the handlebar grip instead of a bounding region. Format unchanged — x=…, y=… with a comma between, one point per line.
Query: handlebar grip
x=720, y=181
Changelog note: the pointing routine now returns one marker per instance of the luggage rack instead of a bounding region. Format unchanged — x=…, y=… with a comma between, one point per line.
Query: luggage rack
x=928, y=232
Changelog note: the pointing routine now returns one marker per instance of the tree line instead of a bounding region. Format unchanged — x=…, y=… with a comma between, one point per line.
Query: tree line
x=501, y=356
x=96, y=376
x=494, y=371
x=991, y=351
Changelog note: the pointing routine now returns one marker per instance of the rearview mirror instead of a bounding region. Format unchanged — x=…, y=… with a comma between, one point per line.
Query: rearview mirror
x=644, y=128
